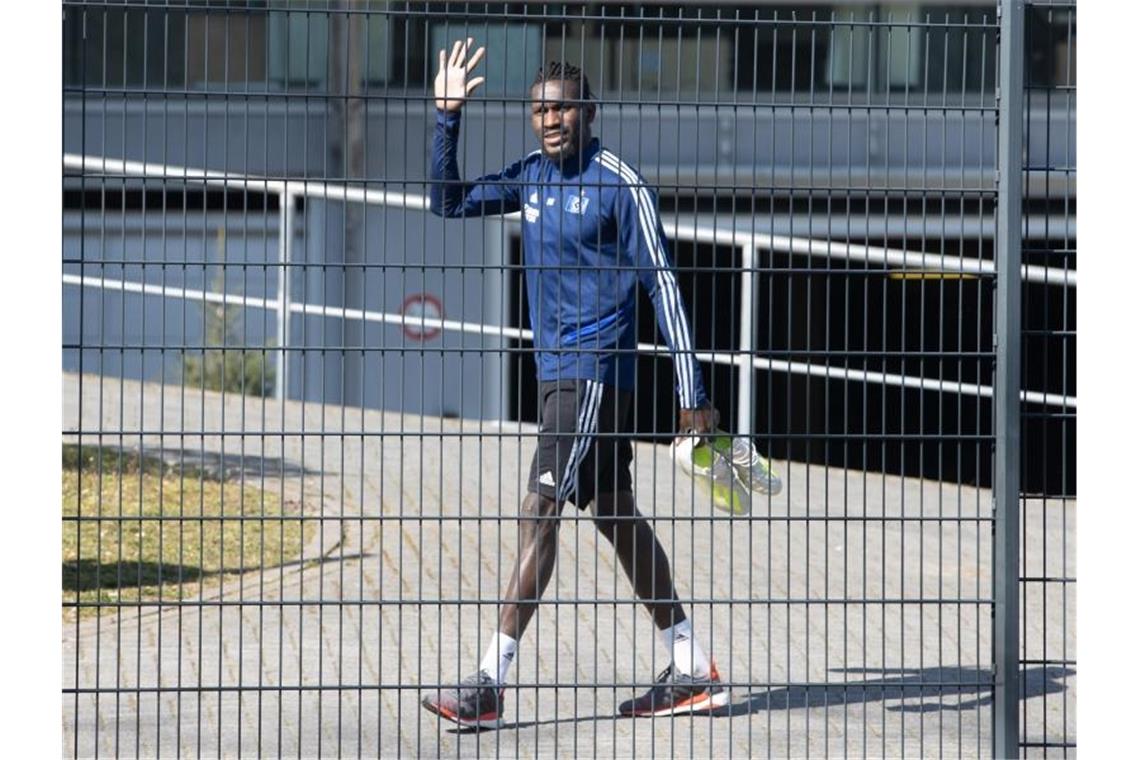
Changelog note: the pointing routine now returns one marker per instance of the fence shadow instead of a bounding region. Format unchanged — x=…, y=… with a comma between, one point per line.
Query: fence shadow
x=190, y=462
x=90, y=575
x=927, y=685
x=214, y=465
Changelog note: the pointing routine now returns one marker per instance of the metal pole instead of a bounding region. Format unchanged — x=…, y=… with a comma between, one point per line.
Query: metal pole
x=284, y=249
x=1007, y=381
x=495, y=311
x=745, y=369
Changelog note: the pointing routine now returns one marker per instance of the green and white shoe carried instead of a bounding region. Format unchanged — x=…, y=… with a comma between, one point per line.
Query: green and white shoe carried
x=713, y=474
x=753, y=470
x=727, y=468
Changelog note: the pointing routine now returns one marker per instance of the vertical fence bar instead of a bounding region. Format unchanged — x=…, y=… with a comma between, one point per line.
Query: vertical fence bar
x=1007, y=379
x=749, y=279
x=284, y=246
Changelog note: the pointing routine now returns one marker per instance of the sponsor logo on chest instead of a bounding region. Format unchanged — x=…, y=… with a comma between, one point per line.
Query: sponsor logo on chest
x=530, y=213
x=574, y=204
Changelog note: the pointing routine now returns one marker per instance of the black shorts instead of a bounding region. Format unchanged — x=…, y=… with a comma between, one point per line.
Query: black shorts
x=583, y=442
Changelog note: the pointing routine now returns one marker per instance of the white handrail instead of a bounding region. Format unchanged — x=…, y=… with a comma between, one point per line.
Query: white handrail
x=683, y=227
x=871, y=254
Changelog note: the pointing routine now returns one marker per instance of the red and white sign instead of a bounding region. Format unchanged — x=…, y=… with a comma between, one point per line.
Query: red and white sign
x=419, y=308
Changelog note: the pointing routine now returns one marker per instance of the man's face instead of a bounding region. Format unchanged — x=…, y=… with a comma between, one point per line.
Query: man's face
x=560, y=121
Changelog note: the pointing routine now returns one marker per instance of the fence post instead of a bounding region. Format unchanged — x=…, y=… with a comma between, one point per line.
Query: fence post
x=746, y=373
x=284, y=252
x=1007, y=380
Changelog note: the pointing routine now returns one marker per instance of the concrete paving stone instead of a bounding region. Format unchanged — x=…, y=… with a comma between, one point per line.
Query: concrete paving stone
x=330, y=656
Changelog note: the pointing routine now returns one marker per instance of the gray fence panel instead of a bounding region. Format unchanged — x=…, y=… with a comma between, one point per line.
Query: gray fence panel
x=300, y=408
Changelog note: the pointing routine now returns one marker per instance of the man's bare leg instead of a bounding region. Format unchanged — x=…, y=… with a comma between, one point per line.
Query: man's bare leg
x=478, y=699
x=647, y=566
x=641, y=555
x=538, y=550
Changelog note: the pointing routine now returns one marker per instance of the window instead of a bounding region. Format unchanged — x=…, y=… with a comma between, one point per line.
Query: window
x=888, y=56
x=655, y=52
x=919, y=49
x=961, y=56
x=514, y=52
x=1051, y=43
x=226, y=50
x=789, y=53
x=213, y=47
x=120, y=47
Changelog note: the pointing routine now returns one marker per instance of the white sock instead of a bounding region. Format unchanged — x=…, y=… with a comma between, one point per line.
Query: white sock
x=500, y=654
x=688, y=657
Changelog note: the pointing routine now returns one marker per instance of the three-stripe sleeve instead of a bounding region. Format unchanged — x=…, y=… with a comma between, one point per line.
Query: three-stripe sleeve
x=642, y=238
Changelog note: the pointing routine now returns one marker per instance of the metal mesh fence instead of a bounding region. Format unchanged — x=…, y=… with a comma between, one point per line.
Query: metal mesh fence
x=301, y=408
x=1048, y=568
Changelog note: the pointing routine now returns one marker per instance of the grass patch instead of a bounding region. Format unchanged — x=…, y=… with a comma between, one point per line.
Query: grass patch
x=136, y=529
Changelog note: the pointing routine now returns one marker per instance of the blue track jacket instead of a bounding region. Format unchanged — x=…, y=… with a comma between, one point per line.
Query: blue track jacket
x=590, y=231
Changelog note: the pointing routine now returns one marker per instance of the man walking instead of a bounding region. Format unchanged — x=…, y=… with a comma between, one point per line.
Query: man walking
x=591, y=232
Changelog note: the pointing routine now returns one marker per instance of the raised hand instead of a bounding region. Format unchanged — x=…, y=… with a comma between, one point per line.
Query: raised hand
x=451, y=84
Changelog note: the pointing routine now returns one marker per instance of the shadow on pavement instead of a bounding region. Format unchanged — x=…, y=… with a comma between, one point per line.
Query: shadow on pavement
x=231, y=465
x=918, y=685
x=190, y=462
x=88, y=575
x=531, y=723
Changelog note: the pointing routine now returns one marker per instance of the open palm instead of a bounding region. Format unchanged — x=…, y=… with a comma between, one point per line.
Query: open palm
x=451, y=84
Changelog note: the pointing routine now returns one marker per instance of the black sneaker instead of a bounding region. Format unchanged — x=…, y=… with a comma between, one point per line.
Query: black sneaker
x=477, y=702
x=675, y=693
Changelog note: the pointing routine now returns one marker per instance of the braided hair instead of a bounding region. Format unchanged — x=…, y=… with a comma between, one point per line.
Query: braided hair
x=567, y=72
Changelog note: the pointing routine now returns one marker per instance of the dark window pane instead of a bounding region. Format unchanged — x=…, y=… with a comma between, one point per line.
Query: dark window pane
x=960, y=58
x=225, y=49
x=787, y=54
x=1051, y=45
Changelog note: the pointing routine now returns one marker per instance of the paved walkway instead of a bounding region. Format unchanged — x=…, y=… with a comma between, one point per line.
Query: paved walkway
x=803, y=611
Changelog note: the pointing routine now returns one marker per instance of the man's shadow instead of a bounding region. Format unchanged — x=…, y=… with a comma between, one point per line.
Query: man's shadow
x=920, y=690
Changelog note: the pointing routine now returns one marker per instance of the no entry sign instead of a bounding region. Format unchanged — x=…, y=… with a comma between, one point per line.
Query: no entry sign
x=419, y=308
